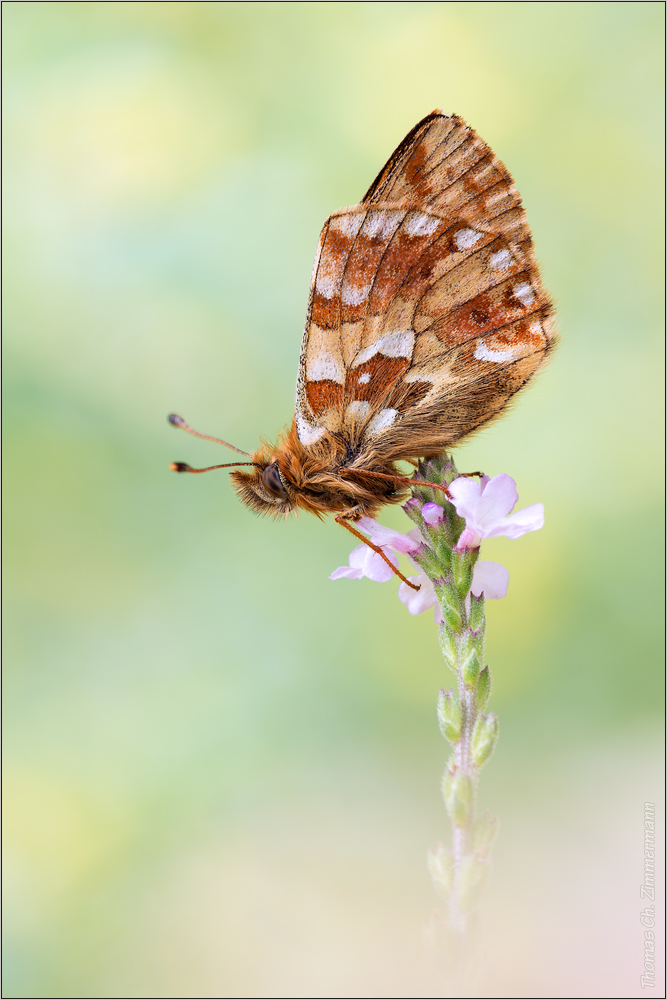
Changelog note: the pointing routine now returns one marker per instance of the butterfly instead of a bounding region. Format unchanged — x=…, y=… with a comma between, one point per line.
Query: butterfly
x=426, y=315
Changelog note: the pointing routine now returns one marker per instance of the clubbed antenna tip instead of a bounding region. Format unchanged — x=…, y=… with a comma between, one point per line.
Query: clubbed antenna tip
x=177, y=421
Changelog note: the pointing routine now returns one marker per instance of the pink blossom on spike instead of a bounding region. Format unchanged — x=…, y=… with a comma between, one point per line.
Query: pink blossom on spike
x=364, y=562
x=381, y=535
x=487, y=505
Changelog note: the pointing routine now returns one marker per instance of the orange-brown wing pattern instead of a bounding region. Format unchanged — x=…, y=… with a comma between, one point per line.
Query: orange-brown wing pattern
x=442, y=164
x=426, y=310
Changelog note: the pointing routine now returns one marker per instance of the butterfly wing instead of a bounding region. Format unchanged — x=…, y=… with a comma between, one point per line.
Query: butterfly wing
x=426, y=311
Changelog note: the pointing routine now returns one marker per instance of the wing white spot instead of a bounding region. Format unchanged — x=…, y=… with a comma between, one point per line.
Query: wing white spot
x=393, y=345
x=363, y=379
x=524, y=293
x=381, y=421
x=466, y=238
x=357, y=410
x=348, y=225
x=421, y=225
x=353, y=295
x=327, y=283
x=501, y=260
x=485, y=353
x=322, y=367
x=321, y=361
x=308, y=433
x=381, y=224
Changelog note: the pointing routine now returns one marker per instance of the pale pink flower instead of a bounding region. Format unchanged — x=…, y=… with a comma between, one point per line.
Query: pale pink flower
x=486, y=506
x=365, y=562
x=489, y=578
x=396, y=540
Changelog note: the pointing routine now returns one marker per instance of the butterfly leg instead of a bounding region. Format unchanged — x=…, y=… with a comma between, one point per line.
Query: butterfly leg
x=343, y=520
x=399, y=480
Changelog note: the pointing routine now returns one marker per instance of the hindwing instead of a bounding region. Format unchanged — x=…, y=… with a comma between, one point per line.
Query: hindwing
x=426, y=311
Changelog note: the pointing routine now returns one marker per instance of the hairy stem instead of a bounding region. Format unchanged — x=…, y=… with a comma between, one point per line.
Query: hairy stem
x=462, y=832
x=458, y=872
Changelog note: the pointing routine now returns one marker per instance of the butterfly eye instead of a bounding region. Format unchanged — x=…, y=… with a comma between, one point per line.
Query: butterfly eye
x=273, y=483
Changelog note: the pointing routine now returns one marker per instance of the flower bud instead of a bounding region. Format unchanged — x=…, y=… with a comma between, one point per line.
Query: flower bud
x=441, y=867
x=449, y=646
x=450, y=718
x=469, y=659
x=461, y=572
x=483, y=689
x=432, y=513
x=476, y=617
x=412, y=508
x=484, y=739
x=428, y=560
x=457, y=792
x=424, y=491
x=443, y=547
x=450, y=605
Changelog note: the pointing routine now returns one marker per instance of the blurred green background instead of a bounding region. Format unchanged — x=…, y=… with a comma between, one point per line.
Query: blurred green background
x=222, y=768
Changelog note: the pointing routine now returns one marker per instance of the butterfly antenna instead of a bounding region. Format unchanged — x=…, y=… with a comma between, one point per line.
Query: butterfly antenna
x=184, y=467
x=177, y=421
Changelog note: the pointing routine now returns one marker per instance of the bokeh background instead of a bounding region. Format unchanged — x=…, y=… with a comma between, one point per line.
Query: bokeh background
x=222, y=768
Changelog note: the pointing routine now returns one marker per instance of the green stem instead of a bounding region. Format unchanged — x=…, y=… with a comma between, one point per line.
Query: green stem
x=462, y=832
x=458, y=873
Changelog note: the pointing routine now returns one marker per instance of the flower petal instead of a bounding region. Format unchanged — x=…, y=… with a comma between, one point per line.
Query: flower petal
x=358, y=557
x=517, y=524
x=417, y=536
x=346, y=571
x=490, y=578
x=365, y=562
x=374, y=567
x=418, y=601
x=467, y=495
x=386, y=536
x=486, y=507
x=498, y=498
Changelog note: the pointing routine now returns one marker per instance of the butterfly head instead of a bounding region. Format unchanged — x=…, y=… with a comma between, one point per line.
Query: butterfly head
x=286, y=477
x=266, y=489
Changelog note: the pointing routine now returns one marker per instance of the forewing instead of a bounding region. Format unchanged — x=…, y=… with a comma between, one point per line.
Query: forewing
x=426, y=310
